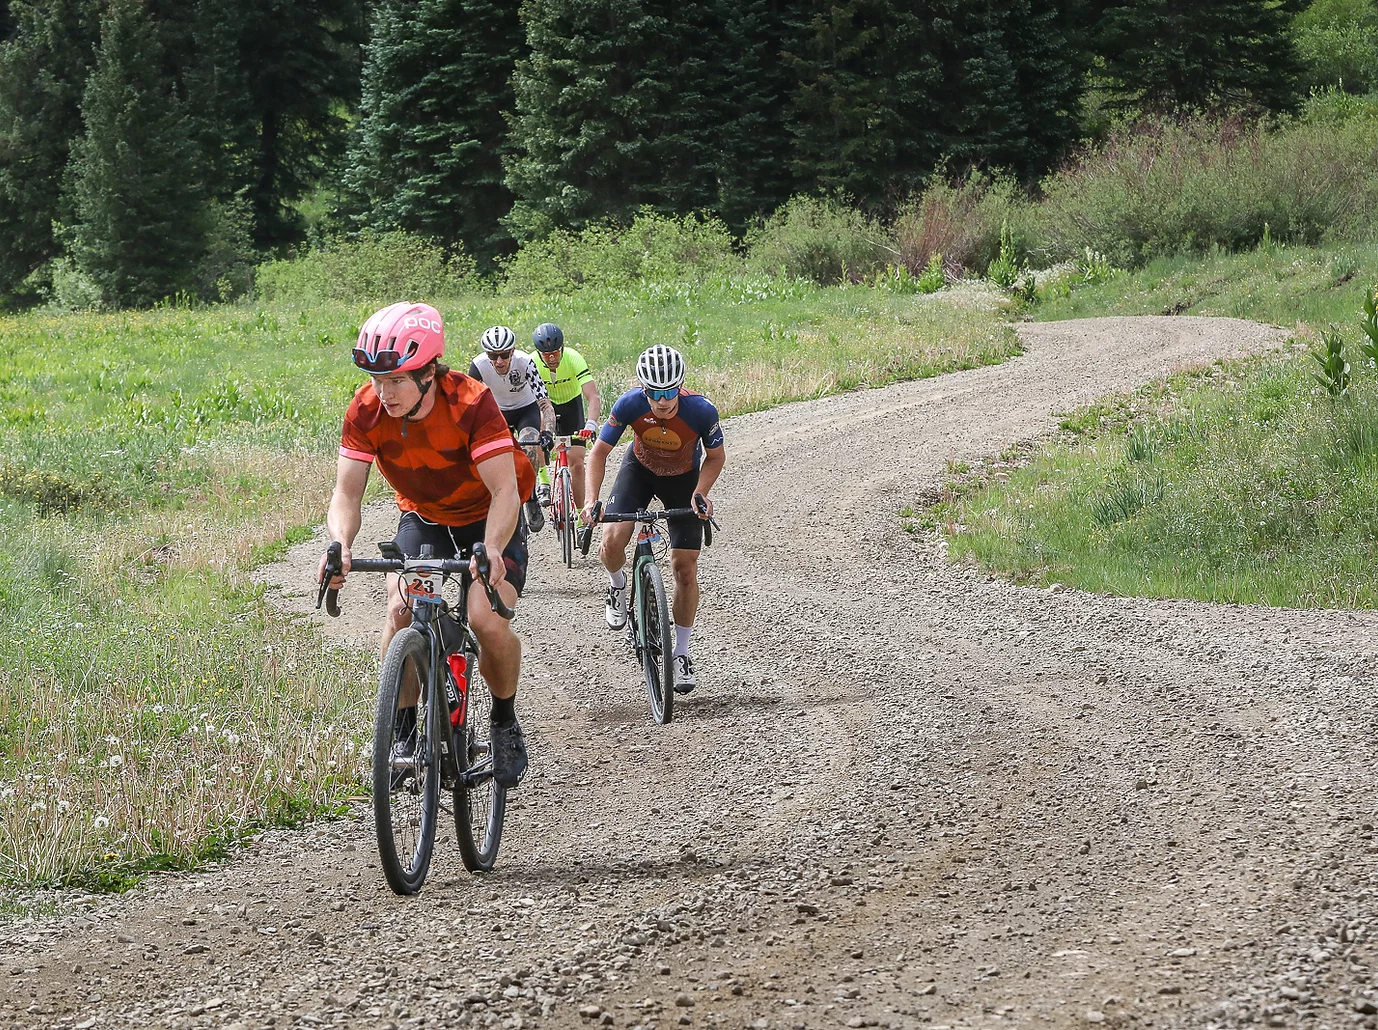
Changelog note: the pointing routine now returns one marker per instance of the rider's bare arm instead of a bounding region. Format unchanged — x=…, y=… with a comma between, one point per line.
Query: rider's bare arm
x=713, y=460
x=547, y=414
x=593, y=404
x=346, y=508
x=499, y=475
x=595, y=468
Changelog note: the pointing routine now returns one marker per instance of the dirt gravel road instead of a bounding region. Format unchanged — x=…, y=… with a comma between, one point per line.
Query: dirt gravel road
x=903, y=795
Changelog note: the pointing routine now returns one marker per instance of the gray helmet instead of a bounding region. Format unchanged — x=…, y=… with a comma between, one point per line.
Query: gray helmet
x=548, y=338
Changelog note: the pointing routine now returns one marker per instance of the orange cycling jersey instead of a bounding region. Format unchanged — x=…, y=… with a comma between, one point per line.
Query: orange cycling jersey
x=434, y=468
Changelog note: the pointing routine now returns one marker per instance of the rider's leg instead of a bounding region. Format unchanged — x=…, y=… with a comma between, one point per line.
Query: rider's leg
x=576, y=475
x=612, y=549
x=685, y=566
x=500, y=649
x=398, y=617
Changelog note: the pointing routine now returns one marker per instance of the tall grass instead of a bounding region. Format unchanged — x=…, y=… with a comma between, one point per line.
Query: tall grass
x=1246, y=483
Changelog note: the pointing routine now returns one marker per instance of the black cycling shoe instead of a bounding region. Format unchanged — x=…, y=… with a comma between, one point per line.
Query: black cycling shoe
x=508, y=748
x=403, y=746
x=535, y=518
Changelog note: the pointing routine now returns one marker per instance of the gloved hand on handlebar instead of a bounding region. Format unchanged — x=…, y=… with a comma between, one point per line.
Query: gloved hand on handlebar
x=546, y=440
x=590, y=428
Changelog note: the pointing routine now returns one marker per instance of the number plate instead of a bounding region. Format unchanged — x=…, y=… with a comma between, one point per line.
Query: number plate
x=422, y=585
x=651, y=534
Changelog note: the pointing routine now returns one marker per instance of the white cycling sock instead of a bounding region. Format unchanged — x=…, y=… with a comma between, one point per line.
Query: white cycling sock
x=618, y=578
x=682, y=639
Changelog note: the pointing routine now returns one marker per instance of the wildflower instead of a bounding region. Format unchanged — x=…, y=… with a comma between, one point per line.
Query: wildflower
x=63, y=805
x=38, y=806
x=100, y=822
x=115, y=761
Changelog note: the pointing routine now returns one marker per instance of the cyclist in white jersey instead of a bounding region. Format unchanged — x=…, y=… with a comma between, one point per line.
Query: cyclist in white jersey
x=516, y=383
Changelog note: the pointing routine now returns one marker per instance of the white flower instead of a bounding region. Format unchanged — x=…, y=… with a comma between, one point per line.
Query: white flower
x=157, y=709
x=62, y=806
x=38, y=806
x=115, y=761
x=100, y=822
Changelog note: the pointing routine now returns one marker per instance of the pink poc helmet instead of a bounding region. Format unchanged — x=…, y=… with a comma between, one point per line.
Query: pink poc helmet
x=402, y=337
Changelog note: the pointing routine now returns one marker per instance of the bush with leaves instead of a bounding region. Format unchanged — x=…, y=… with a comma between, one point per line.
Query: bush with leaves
x=820, y=239
x=375, y=267
x=654, y=248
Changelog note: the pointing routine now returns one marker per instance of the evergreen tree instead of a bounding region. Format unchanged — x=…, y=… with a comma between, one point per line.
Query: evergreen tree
x=133, y=180
x=43, y=70
x=1162, y=55
x=590, y=104
x=268, y=84
x=742, y=126
x=426, y=155
x=862, y=114
x=1014, y=73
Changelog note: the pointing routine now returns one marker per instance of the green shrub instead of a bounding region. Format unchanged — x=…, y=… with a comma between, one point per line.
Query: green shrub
x=654, y=248
x=820, y=239
x=374, y=268
x=960, y=221
x=1192, y=186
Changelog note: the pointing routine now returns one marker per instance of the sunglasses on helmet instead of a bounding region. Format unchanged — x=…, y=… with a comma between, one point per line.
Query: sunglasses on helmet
x=383, y=361
x=661, y=395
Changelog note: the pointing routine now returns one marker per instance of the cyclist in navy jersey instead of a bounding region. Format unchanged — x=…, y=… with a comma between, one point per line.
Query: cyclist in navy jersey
x=676, y=455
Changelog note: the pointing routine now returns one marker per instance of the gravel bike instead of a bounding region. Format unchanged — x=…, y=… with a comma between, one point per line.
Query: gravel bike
x=564, y=515
x=649, y=627
x=430, y=730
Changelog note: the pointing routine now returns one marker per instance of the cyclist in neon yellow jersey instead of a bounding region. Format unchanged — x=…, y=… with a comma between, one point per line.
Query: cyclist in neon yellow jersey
x=573, y=392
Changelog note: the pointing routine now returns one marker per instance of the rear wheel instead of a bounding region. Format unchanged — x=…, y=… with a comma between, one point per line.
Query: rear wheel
x=657, y=650
x=406, y=773
x=480, y=804
x=564, y=500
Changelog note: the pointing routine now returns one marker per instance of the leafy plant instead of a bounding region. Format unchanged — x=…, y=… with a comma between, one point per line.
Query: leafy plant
x=933, y=277
x=1334, y=374
x=1094, y=267
x=1369, y=325
x=1004, y=270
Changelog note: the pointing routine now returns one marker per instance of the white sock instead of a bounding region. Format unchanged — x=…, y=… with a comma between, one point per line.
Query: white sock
x=618, y=578
x=682, y=639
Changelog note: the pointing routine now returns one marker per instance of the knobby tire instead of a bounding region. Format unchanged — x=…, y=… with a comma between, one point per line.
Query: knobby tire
x=480, y=804
x=405, y=800
x=565, y=500
x=657, y=650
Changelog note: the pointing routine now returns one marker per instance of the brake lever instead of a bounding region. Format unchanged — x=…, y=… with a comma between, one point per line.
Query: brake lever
x=586, y=532
x=495, y=601
x=334, y=565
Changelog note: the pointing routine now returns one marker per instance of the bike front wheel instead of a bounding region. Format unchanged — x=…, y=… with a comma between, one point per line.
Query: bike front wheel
x=566, y=517
x=406, y=773
x=480, y=804
x=657, y=651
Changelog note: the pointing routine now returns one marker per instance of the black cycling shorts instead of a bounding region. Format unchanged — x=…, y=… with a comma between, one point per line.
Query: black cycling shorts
x=456, y=542
x=636, y=485
x=569, y=418
x=519, y=418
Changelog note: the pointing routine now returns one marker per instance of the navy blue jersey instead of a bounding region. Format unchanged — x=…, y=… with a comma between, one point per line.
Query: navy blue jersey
x=670, y=447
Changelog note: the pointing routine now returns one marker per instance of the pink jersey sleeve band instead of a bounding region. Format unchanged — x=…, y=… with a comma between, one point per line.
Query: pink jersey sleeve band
x=364, y=456
x=492, y=447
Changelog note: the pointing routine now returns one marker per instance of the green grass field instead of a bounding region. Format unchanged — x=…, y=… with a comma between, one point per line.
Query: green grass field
x=152, y=706
x=1247, y=483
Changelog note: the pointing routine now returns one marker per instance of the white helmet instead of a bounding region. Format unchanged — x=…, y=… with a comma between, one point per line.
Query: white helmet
x=499, y=338
x=660, y=367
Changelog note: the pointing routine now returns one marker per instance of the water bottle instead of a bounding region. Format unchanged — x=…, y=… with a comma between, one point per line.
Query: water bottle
x=457, y=686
